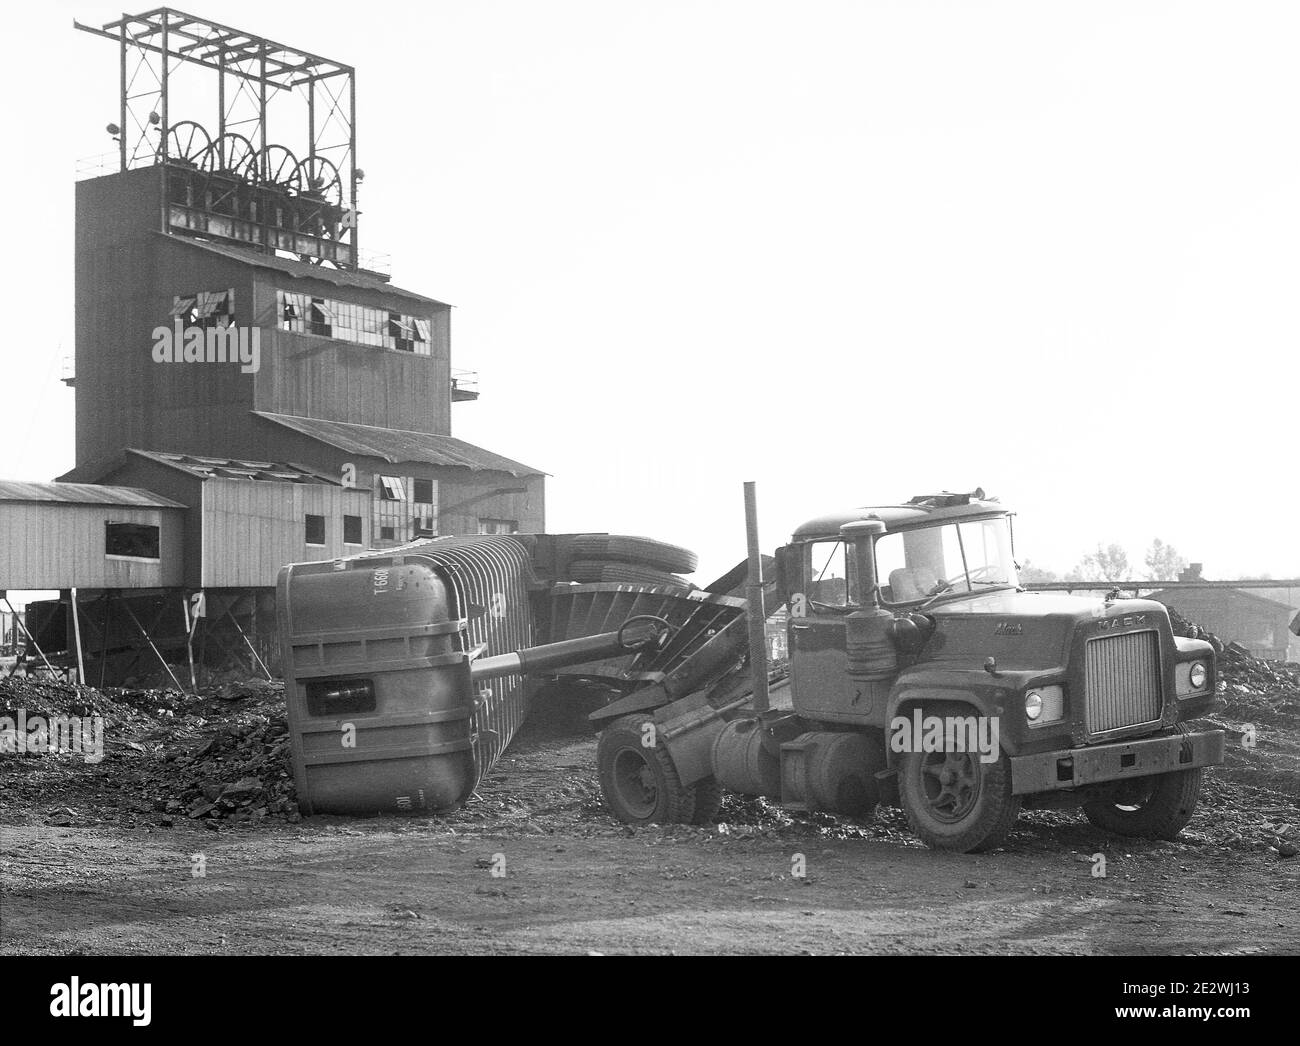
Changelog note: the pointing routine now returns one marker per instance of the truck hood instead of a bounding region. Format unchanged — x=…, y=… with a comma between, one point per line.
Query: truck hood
x=1029, y=630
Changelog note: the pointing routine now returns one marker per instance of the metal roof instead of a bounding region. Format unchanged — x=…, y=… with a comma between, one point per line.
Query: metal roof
x=1166, y=594
x=302, y=270
x=401, y=445
x=204, y=467
x=82, y=494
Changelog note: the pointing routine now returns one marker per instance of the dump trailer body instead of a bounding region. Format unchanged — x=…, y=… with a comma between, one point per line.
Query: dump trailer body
x=383, y=715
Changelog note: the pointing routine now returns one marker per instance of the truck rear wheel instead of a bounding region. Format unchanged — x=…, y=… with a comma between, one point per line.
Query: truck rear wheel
x=639, y=781
x=1156, y=808
x=955, y=802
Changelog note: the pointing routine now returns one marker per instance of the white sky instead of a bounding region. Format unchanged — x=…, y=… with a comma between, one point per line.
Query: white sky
x=854, y=251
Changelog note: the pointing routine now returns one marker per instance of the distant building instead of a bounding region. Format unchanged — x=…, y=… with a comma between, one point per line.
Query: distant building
x=1257, y=622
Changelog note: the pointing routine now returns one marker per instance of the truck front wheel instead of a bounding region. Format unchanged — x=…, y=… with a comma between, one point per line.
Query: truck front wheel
x=955, y=802
x=1155, y=807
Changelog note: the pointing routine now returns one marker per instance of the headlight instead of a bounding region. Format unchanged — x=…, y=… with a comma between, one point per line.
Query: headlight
x=1198, y=675
x=1045, y=704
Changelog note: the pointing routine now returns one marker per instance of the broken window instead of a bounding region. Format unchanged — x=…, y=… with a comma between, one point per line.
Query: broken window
x=205, y=308
x=320, y=317
x=498, y=526
x=293, y=311
x=391, y=489
x=315, y=529
x=347, y=321
x=423, y=491
x=351, y=530
x=133, y=540
x=386, y=533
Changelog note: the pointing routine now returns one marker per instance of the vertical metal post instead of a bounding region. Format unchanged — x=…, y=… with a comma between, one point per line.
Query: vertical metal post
x=221, y=108
x=311, y=119
x=189, y=639
x=122, y=118
x=261, y=114
x=754, y=596
x=352, y=167
x=164, y=220
x=166, y=65
x=76, y=630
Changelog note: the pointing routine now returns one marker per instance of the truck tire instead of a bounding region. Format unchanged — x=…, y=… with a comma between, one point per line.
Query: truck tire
x=586, y=571
x=639, y=782
x=955, y=802
x=646, y=552
x=1159, y=809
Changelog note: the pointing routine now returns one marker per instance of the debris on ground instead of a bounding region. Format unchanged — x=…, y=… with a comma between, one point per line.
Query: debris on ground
x=221, y=758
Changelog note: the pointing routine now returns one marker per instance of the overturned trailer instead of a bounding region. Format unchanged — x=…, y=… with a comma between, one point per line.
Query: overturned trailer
x=408, y=672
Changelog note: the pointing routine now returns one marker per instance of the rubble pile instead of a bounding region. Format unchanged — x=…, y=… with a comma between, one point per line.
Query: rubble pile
x=219, y=756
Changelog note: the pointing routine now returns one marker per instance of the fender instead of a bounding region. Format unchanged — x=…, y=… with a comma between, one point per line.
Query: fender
x=974, y=698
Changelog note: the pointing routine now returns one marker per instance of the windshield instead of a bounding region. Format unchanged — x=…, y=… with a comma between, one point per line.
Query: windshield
x=916, y=565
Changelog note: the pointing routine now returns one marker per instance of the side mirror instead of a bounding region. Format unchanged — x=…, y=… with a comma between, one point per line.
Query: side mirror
x=787, y=571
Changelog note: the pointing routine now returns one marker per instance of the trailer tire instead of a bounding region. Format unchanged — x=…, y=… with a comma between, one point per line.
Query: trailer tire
x=646, y=552
x=974, y=817
x=1161, y=811
x=638, y=780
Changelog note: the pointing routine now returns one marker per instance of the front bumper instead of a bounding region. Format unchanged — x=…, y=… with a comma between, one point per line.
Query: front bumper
x=1072, y=767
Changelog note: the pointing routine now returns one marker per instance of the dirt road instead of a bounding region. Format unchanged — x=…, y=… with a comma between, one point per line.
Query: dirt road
x=575, y=881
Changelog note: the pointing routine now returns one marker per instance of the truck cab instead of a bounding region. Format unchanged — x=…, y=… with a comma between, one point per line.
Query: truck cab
x=1062, y=699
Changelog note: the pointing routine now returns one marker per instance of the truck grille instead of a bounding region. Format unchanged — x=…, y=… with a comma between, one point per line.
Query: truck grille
x=1122, y=681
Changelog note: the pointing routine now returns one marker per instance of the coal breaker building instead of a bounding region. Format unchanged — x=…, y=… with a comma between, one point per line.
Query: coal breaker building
x=239, y=361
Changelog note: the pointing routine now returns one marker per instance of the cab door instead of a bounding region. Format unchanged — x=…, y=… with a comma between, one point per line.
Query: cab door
x=819, y=660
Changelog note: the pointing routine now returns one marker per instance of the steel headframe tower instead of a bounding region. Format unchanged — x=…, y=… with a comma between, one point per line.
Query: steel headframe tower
x=226, y=178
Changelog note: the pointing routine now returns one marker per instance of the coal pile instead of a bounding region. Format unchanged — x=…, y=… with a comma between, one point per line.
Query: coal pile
x=221, y=756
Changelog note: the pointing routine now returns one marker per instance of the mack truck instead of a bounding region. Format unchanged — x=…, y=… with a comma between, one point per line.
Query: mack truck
x=923, y=675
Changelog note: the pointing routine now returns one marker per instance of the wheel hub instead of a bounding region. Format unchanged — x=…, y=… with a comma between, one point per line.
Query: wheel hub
x=636, y=782
x=951, y=783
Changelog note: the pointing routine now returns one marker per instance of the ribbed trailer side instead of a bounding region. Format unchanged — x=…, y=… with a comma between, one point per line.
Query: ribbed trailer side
x=491, y=575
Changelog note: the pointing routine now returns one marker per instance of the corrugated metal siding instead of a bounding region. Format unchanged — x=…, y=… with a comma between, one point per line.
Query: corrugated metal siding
x=126, y=276
x=253, y=528
x=491, y=573
x=360, y=384
x=55, y=546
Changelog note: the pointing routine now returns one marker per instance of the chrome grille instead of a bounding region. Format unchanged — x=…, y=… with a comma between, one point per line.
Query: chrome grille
x=1122, y=680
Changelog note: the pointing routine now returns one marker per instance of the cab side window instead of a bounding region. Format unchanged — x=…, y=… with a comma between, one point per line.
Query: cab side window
x=828, y=581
